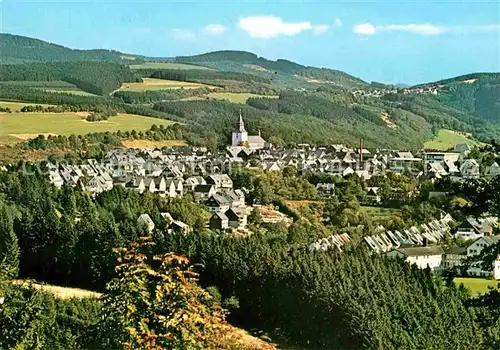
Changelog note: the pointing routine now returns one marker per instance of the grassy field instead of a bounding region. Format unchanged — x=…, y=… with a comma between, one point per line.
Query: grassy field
x=27, y=125
x=17, y=105
x=379, y=212
x=61, y=292
x=446, y=139
x=476, y=285
x=152, y=144
x=167, y=65
x=159, y=84
x=72, y=92
x=235, y=97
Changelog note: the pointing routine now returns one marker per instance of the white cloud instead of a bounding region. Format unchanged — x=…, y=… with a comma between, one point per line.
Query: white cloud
x=266, y=27
x=182, y=34
x=320, y=28
x=338, y=22
x=422, y=29
x=364, y=28
x=214, y=29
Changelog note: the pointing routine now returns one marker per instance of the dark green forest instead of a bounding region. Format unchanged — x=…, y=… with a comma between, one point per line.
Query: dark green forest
x=21, y=49
x=99, y=78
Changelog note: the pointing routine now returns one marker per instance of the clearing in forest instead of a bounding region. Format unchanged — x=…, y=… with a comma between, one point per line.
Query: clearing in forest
x=151, y=144
x=23, y=125
x=167, y=65
x=476, y=285
x=446, y=139
x=17, y=105
x=235, y=97
x=159, y=84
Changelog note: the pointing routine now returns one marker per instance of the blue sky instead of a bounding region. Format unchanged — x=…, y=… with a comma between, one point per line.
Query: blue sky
x=385, y=41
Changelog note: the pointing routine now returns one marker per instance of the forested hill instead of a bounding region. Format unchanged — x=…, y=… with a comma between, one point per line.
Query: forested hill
x=243, y=61
x=478, y=94
x=20, y=49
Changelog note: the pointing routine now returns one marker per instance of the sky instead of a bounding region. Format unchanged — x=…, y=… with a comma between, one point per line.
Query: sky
x=385, y=41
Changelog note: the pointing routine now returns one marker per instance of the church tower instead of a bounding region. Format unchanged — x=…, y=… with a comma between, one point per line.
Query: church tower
x=240, y=137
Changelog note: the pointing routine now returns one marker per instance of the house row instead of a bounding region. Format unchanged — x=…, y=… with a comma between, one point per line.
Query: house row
x=333, y=241
x=434, y=231
x=144, y=170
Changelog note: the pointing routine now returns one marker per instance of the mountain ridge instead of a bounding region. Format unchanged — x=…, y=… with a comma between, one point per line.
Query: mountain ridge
x=21, y=49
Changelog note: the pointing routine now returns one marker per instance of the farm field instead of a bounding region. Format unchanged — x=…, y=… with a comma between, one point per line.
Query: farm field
x=476, y=285
x=159, y=84
x=235, y=97
x=150, y=144
x=62, y=292
x=446, y=139
x=17, y=105
x=167, y=65
x=72, y=92
x=28, y=125
x=379, y=212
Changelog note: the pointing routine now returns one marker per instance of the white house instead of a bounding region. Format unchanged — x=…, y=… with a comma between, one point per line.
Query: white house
x=496, y=269
x=372, y=195
x=470, y=169
x=423, y=257
x=493, y=170
x=475, y=249
x=453, y=257
x=145, y=222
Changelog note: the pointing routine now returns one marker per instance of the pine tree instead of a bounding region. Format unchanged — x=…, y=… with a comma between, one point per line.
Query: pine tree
x=9, y=246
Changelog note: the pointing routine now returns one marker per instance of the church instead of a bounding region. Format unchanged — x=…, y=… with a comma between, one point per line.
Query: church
x=242, y=139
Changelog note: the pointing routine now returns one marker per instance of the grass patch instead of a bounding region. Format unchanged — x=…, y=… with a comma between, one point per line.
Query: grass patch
x=167, y=65
x=72, y=92
x=159, y=84
x=17, y=105
x=236, y=97
x=61, y=292
x=476, y=285
x=379, y=212
x=27, y=125
x=446, y=139
x=151, y=144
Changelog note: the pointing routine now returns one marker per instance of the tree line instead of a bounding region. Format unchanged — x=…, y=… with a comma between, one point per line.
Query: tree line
x=100, y=78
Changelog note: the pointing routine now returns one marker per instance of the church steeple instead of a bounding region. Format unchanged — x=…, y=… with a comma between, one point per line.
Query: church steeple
x=242, y=125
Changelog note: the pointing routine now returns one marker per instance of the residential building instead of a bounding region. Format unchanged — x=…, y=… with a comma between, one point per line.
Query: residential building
x=219, y=221
x=423, y=257
x=146, y=223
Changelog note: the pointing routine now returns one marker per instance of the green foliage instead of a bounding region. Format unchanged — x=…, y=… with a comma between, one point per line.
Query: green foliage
x=403, y=306
x=299, y=117
x=9, y=245
x=100, y=78
x=136, y=97
x=205, y=76
x=32, y=319
x=154, y=303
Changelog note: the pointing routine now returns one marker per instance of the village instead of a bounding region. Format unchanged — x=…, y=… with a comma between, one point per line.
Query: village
x=205, y=176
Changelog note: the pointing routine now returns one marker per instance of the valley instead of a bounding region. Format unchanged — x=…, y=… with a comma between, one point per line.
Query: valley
x=225, y=200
